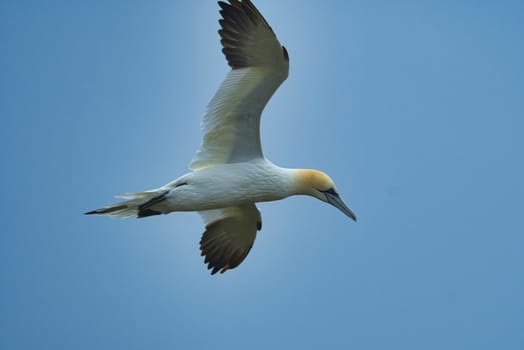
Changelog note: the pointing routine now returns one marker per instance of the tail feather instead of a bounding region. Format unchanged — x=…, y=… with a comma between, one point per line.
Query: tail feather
x=138, y=205
x=137, y=195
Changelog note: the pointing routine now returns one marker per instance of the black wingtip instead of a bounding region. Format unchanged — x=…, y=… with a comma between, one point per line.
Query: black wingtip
x=106, y=210
x=240, y=20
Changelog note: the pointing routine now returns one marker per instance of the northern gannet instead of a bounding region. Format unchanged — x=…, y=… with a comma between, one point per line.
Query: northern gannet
x=229, y=171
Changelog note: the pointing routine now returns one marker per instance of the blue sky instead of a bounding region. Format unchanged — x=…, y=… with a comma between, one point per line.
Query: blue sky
x=415, y=109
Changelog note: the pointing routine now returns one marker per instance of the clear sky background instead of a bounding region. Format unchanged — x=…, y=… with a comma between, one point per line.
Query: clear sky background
x=415, y=109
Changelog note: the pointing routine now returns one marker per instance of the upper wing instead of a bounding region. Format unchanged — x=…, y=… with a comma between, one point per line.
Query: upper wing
x=259, y=65
x=229, y=236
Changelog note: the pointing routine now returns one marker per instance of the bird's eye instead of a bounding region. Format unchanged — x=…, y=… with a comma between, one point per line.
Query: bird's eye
x=331, y=191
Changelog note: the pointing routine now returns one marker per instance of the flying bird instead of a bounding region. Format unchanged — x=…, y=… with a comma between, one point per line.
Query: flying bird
x=229, y=173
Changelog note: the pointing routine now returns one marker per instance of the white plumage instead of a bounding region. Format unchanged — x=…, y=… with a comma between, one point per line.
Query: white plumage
x=229, y=171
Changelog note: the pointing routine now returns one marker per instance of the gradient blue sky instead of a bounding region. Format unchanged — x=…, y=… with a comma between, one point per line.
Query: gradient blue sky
x=415, y=109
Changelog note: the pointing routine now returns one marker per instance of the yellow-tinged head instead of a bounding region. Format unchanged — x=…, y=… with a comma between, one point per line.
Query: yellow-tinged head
x=319, y=185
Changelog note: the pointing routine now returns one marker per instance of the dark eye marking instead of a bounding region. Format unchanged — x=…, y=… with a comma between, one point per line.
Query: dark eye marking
x=181, y=184
x=331, y=191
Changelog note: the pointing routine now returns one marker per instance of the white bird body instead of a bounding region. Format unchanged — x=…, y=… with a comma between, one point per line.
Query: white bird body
x=228, y=185
x=229, y=171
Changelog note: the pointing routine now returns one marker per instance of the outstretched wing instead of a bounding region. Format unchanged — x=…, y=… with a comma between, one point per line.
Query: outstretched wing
x=229, y=236
x=259, y=65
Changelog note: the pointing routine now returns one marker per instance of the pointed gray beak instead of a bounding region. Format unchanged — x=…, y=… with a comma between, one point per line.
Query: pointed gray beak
x=337, y=202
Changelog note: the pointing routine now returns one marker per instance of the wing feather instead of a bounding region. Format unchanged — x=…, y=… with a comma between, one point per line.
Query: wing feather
x=259, y=66
x=229, y=236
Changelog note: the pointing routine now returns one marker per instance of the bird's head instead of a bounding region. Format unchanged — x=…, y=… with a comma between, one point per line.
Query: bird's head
x=319, y=185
